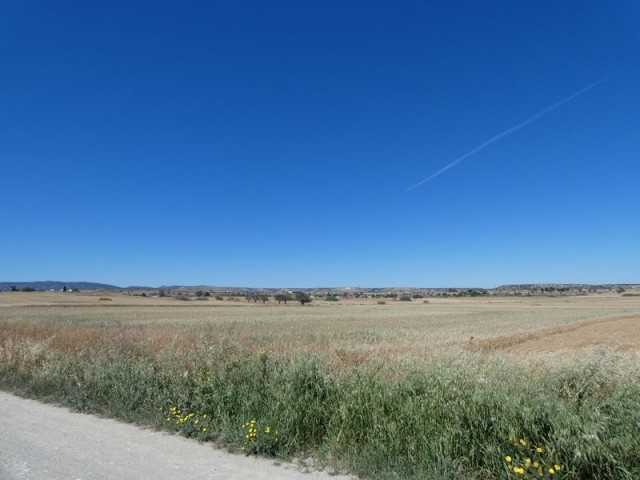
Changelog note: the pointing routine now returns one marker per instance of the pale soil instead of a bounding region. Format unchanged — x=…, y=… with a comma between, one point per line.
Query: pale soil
x=44, y=442
x=622, y=334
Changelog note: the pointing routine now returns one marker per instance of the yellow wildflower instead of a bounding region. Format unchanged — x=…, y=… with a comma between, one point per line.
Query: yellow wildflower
x=507, y=459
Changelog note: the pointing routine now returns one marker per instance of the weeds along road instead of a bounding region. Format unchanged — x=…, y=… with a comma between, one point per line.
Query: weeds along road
x=44, y=442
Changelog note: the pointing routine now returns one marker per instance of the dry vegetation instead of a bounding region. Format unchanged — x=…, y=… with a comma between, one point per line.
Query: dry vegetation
x=528, y=329
x=395, y=390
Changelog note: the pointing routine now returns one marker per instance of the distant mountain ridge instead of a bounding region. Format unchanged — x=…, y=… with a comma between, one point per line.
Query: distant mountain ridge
x=57, y=285
x=529, y=286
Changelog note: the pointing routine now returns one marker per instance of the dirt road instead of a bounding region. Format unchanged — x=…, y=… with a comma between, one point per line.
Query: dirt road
x=44, y=442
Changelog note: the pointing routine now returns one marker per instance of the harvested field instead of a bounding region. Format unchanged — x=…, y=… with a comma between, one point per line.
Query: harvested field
x=351, y=330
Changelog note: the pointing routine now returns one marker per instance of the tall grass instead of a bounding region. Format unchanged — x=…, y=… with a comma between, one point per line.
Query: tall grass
x=387, y=418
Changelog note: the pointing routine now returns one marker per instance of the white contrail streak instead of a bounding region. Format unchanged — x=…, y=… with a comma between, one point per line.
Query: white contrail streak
x=511, y=130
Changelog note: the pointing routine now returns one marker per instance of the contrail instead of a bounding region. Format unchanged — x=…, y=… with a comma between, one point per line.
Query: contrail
x=511, y=130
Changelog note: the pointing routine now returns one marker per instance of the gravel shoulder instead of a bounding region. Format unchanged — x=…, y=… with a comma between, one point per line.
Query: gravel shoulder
x=45, y=442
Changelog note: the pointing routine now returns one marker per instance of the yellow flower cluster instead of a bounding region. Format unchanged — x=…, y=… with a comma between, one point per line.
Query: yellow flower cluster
x=187, y=421
x=529, y=461
x=252, y=433
x=258, y=439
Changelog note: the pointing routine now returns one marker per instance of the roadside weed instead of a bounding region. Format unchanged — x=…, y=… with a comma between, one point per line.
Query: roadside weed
x=528, y=460
x=260, y=439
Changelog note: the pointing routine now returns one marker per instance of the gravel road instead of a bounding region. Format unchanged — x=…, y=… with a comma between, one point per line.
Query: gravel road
x=44, y=442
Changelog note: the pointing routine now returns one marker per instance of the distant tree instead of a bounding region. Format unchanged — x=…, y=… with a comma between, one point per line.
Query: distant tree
x=253, y=296
x=13, y=288
x=199, y=293
x=64, y=289
x=332, y=297
x=303, y=297
x=283, y=297
x=263, y=298
x=620, y=290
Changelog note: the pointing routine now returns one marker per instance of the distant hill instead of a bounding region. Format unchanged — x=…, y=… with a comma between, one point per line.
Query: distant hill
x=573, y=286
x=567, y=288
x=56, y=285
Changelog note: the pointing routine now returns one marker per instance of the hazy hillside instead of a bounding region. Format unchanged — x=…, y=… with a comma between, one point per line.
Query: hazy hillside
x=57, y=285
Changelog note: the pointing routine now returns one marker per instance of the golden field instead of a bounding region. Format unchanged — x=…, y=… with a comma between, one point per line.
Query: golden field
x=351, y=330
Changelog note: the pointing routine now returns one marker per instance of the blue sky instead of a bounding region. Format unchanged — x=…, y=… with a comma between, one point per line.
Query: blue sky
x=271, y=143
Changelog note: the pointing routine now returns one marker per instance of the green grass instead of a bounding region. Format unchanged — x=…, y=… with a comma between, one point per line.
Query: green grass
x=388, y=418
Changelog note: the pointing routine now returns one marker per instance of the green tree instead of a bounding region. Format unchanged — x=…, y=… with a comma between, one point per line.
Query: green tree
x=283, y=297
x=303, y=297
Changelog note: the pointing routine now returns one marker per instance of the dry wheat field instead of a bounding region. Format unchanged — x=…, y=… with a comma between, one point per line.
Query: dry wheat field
x=444, y=388
x=526, y=328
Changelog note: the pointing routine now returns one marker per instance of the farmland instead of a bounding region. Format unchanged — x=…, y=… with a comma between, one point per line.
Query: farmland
x=394, y=390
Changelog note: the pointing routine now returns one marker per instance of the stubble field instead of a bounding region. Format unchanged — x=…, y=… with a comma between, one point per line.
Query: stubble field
x=451, y=388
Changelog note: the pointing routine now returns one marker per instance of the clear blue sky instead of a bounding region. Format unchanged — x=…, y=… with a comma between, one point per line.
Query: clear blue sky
x=271, y=143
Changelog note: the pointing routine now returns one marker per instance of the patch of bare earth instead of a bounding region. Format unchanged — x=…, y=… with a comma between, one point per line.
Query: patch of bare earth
x=621, y=333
